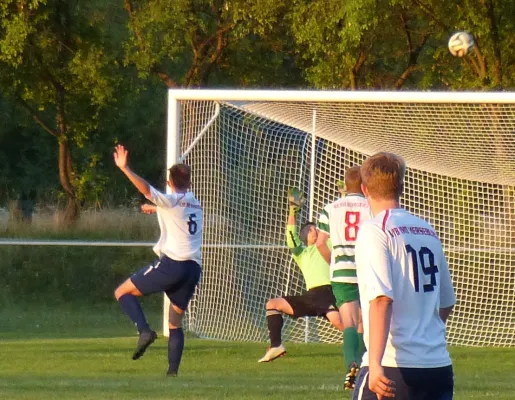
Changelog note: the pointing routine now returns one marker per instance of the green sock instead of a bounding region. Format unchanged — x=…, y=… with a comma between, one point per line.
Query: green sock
x=361, y=348
x=350, y=346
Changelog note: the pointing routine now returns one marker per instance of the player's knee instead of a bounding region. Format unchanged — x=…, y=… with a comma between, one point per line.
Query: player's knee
x=271, y=304
x=175, y=315
x=118, y=293
x=336, y=321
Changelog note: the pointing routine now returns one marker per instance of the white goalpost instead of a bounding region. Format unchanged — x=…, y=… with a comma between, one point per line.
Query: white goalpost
x=247, y=147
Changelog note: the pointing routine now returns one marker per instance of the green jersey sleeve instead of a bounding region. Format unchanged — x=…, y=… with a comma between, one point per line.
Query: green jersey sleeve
x=293, y=240
x=323, y=221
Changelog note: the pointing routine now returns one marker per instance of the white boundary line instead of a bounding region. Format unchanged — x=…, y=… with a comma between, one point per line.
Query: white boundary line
x=29, y=242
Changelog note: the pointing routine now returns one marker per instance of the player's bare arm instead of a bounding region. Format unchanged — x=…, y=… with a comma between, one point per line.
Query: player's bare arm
x=322, y=246
x=148, y=208
x=380, y=317
x=121, y=156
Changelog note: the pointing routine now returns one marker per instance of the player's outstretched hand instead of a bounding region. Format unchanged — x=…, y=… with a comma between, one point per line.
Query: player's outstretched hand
x=380, y=384
x=295, y=197
x=148, y=208
x=120, y=156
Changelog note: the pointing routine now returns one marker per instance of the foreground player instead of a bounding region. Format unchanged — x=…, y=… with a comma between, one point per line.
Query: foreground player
x=340, y=221
x=319, y=299
x=177, y=269
x=406, y=294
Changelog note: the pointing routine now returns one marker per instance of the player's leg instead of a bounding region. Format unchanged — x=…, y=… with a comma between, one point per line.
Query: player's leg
x=155, y=278
x=274, y=319
x=347, y=297
x=175, y=339
x=126, y=294
x=361, y=348
x=350, y=316
x=180, y=296
x=335, y=319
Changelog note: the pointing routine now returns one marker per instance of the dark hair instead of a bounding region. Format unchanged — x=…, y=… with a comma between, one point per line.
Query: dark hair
x=304, y=230
x=180, y=176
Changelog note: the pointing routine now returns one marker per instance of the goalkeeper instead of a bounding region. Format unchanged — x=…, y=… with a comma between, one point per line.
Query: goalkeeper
x=319, y=300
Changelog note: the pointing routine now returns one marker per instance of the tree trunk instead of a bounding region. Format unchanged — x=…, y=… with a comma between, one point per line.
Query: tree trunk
x=72, y=211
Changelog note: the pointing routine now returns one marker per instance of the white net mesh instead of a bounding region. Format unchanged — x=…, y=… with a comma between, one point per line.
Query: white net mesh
x=461, y=177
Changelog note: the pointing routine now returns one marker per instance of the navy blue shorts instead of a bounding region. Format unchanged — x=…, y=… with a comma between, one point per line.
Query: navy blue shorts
x=410, y=383
x=178, y=279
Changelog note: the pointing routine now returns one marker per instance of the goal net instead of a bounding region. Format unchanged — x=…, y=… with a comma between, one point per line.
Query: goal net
x=246, y=148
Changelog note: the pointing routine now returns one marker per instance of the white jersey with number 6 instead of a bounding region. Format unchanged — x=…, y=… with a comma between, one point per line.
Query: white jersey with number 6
x=181, y=220
x=400, y=256
x=341, y=221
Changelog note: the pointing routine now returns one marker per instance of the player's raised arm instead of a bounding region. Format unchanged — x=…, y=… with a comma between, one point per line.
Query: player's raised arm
x=323, y=236
x=295, y=201
x=121, y=156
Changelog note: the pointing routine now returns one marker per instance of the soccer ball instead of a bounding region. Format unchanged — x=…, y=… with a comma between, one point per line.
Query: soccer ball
x=460, y=44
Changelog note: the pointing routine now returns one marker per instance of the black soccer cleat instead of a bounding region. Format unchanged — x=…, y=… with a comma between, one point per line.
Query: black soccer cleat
x=145, y=339
x=350, y=378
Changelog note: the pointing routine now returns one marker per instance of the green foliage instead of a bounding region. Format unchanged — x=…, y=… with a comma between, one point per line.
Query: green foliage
x=61, y=274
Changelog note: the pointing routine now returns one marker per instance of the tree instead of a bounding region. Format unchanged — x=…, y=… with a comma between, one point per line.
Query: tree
x=54, y=63
x=362, y=44
x=188, y=42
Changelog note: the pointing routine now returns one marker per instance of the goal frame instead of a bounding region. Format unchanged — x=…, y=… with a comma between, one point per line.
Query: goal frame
x=175, y=96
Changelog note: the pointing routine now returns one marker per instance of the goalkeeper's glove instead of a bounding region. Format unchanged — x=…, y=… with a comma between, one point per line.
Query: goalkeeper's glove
x=295, y=200
x=341, y=186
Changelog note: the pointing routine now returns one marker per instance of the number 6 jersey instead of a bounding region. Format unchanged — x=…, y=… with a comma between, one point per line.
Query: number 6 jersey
x=180, y=219
x=400, y=256
x=341, y=221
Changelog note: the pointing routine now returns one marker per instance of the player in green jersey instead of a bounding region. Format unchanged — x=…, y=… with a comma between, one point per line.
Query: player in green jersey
x=340, y=222
x=319, y=300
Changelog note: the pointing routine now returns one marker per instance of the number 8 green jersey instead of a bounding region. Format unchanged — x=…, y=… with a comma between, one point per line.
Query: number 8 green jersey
x=341, y=220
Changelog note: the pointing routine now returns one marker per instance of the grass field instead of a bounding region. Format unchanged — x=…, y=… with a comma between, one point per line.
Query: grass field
x=71, y=353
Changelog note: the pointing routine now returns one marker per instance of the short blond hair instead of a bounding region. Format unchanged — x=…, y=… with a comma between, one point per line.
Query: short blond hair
x=383, y=175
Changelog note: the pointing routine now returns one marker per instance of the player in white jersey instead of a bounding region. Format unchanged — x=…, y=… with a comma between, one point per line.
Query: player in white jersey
x=177, y=270
x=406, y=294
x=340, y=220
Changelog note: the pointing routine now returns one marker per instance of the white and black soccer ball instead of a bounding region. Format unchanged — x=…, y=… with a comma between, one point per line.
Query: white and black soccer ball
x=460, y=44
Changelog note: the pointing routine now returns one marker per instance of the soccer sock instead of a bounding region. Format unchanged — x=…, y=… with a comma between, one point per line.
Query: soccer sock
x=131, y=306
x=350, y=346
x=175, y=347
x=274, y=320
x=361, y=348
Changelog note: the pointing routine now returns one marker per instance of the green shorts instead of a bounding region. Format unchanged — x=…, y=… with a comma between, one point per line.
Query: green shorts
x=345, y=292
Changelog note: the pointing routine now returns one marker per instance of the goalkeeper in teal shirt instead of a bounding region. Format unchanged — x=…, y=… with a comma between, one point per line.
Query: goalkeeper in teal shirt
x=318, y=300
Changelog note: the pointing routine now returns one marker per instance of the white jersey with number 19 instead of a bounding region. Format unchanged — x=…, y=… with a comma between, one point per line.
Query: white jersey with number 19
x=400, y=256
x=181, y=220
x=341, y=221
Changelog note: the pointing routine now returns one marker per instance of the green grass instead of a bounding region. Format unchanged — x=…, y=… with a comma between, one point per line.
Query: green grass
x=84, y=353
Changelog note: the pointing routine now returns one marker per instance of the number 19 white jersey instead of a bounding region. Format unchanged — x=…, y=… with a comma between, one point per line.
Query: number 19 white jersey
x=341, y=221
x=400, y=256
